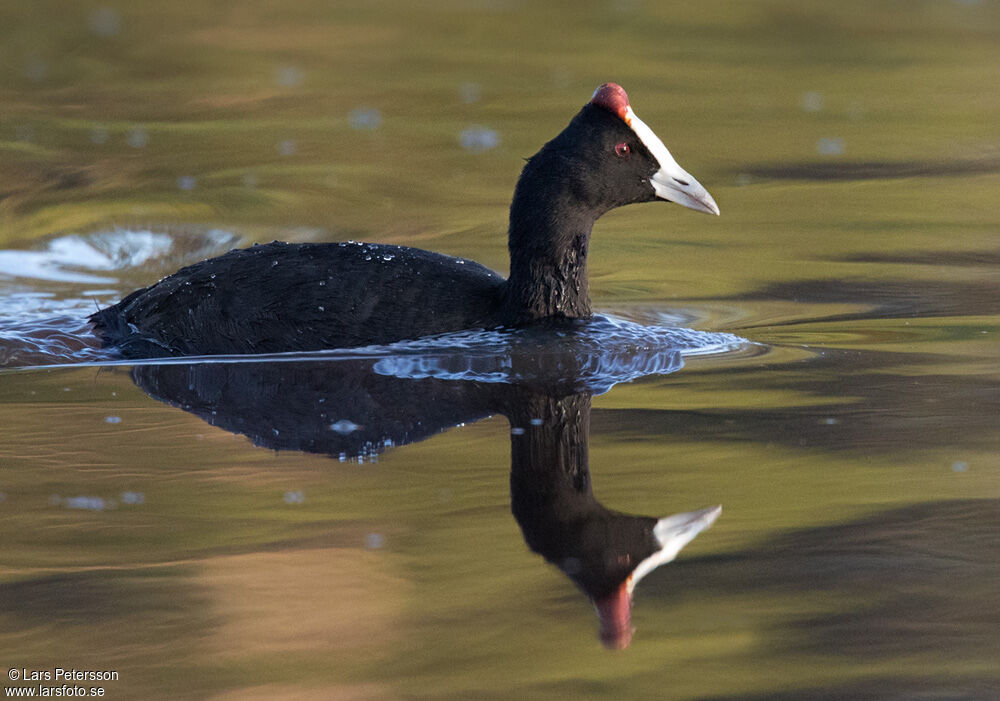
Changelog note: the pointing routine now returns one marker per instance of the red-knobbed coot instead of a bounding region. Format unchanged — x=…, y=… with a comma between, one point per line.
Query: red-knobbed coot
x=300, y=297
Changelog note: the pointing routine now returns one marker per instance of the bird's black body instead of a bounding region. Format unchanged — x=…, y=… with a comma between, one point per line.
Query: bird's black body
x=283, y=297
x=301, y=297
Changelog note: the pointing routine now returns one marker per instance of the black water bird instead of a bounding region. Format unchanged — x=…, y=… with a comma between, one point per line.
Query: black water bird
x=301, y=297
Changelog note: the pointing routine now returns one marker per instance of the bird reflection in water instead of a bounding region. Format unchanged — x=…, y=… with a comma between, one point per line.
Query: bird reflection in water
x=393, y=400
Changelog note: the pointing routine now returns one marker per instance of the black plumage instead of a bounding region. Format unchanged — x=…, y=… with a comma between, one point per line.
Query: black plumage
x=300, y=297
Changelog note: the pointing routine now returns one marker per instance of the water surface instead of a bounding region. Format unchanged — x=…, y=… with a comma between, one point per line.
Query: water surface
x=280, y=548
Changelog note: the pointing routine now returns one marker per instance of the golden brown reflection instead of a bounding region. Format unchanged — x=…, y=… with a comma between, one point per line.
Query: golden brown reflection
x=267, y=604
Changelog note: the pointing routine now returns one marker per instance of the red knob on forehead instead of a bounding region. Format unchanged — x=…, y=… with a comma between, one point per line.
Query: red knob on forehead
x=611, y=97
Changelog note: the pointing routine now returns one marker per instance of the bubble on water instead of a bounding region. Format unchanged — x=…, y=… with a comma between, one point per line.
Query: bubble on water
x=321, y=308
x=133, y=498
x=830, y=421
x=113, y=419
x=469, y=92
x=295, y=497
x=287, y=147
x=137, y=137
x=744, y=179
x=812, y=101
x=344, y=427
x=365, y=118
x=187, y=182
x=374, y=541
x=99, y=135
x=289, y=76
x=537, y=422
x=105, y=22
x=478, y=139
x=249, y=180
x=516, y=431
x=830, y=146
x=36, y=69
x=86, y=503
x=959, y=466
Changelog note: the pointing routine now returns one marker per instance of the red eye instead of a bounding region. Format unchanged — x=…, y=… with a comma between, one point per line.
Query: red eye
x=622, y=150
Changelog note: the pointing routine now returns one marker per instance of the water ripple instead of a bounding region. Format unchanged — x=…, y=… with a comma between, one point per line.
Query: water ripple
x=593, y=355
x=46, y=328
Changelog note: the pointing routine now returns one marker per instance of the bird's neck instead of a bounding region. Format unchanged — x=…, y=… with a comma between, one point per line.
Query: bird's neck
x=549, y=238
x=550, y=465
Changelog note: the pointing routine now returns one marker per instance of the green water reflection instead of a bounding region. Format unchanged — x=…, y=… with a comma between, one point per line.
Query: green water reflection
x=852, y=149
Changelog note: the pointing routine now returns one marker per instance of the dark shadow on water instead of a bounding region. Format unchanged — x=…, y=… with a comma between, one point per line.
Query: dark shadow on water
x=873, y=170
x=886, y=299
x=867, y=401
x=888, y=688
x=871, y=403
x=132, y=621
x=97, y=597
x=965, y=259
x=920, y=580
